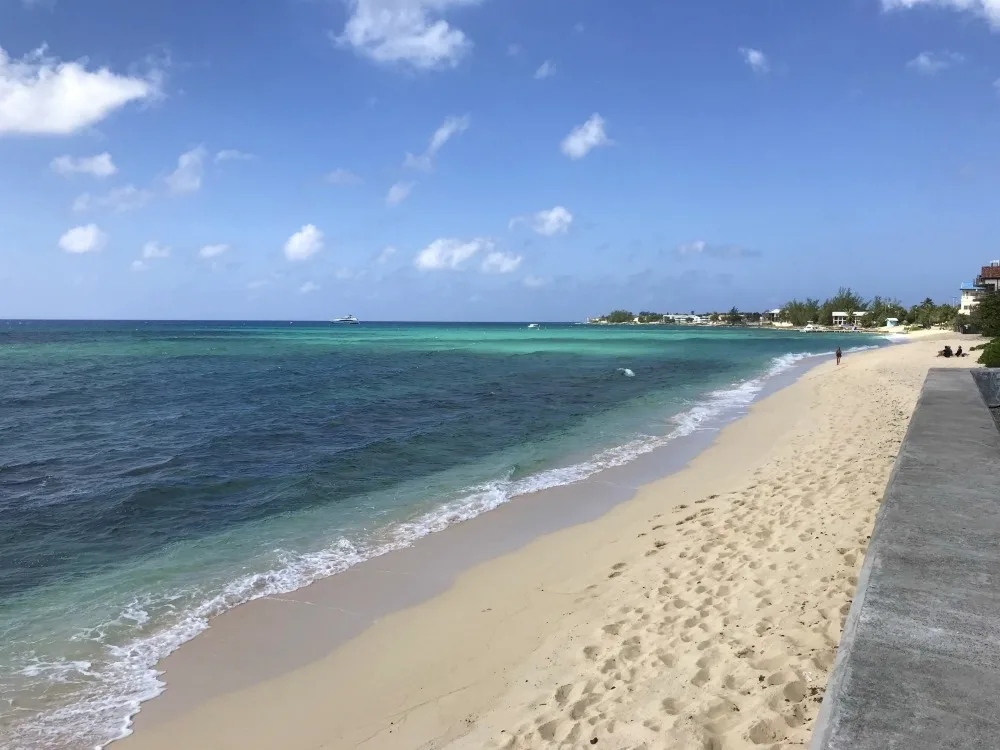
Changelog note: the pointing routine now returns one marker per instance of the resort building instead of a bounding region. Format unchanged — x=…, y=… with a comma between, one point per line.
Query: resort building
x=987, y=281
x=841, y=318
x=771, y=316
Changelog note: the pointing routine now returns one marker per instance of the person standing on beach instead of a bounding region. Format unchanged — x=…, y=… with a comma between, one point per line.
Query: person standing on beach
x=839, y=355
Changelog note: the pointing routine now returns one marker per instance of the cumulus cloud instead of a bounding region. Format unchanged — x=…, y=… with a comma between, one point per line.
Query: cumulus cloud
x=552, y=222
x=232, y=154
x=308, y=287
x=546, y=70
x=40, y=95
x=398, y=193
x=498, y=262
x=153, y=250
x=84, y=239
x=386, y=254
x=343, y=177
x=701, y=248
x=190, y=170
x=450, y=254
x=304, y=244
x=213, y=251
x=138, y=265
x=409, y=32
x=986, y=9
x=585, y=137
x=756, y=59
x=930, y=63
x=119, y=200
x=451, y=127
x=99, y=166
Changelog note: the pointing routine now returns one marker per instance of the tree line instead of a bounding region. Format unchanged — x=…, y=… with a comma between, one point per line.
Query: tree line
x=877, y=310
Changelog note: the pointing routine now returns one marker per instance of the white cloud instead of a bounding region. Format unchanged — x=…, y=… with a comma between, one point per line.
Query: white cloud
x=231, y=154
x=546, y=70
x=40, y=95
x=700, y=248
x=152, y=250
x=138, y=265
x=693, y=248
x=449, y=254
x=308, y=287
x=190, y=169
x=756, y=59
x=410, y=32
x=451, y=127
x=929, y=63
x=552, y=222
x=343, y=177
x=99, y=166
x=398, y=193
x=304, y=244
x=119, y=200
x=585, y=137
x=386, y=254
x=213, y=251
x=533, y=282
x=85, y=239
x=987, y=9
x=501, y=263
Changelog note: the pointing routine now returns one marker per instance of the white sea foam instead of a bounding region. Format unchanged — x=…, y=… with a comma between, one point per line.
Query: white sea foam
x=115, y=689
x=626, y=372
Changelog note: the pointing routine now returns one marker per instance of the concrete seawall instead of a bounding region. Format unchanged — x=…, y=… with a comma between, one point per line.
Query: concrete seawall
x=918, y=665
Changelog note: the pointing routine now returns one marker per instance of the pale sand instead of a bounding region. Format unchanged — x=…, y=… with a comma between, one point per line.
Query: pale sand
x=703, y=613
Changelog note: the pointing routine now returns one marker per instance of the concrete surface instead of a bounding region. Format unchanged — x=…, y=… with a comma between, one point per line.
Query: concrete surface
x=989, y=385
x=918, y=666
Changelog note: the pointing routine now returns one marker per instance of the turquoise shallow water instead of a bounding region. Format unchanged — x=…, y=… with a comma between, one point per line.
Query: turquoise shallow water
x=153, y=475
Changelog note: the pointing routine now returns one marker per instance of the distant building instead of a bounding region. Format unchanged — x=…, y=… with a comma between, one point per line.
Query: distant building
x=771, y=316
x=987, y=281
x=841, y=318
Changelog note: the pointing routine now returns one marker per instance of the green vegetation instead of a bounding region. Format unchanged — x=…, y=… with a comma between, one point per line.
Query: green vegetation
x=878, y=310
x=985, y=317
x=650, y=317
x=990, y=356
x=618, y=316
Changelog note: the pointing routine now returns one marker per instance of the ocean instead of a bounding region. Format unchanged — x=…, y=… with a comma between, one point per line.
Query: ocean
x=155, y=474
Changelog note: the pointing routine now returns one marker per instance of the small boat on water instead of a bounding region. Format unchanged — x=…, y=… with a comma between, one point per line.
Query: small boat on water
x=349, y=320
x=532, y=325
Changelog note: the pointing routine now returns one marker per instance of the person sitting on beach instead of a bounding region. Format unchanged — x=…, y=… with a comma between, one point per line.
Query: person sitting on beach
x=946, y=352
x=959, y=352
x=839, y=355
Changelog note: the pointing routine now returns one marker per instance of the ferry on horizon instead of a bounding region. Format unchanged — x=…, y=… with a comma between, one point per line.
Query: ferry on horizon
x=347, y=320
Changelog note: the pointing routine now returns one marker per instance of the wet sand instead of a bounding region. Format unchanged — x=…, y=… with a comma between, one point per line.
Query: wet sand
x=702, y=612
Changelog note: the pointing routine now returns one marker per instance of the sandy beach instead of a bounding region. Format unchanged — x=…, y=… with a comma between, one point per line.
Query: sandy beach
x=704, y=612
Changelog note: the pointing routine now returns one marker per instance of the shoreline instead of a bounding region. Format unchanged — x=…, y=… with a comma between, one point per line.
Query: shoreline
x=251, y=628
x=437, y=559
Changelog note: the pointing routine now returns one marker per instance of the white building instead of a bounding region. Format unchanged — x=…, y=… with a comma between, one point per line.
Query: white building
x=987, y=281
x=841, y=318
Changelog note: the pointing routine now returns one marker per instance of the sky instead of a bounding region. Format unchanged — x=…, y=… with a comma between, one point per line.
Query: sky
x=491, y=159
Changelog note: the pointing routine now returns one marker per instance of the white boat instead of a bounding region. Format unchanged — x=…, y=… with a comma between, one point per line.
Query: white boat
x=347, y=320
x=532, y=325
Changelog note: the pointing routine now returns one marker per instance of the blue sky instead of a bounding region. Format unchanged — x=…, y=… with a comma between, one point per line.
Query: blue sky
x=490, y=159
